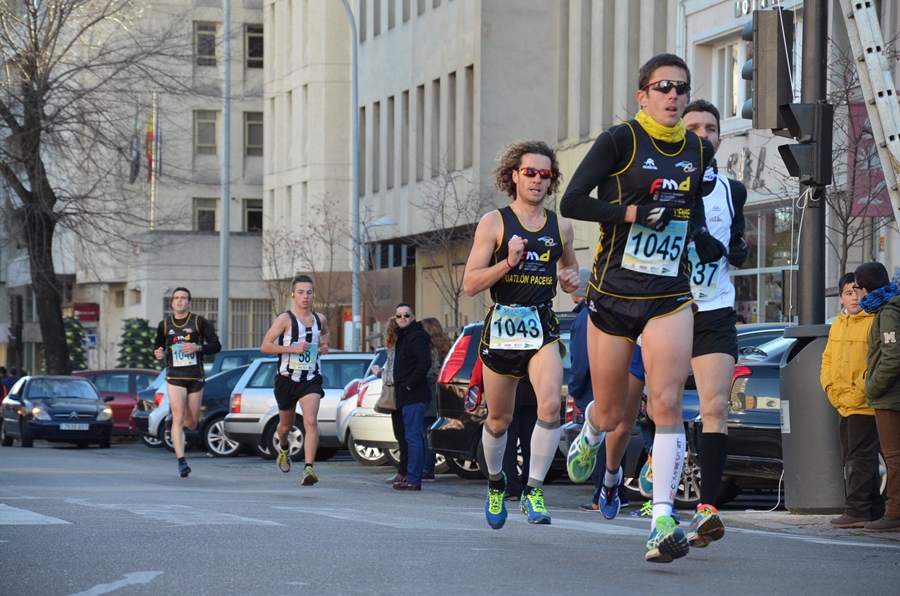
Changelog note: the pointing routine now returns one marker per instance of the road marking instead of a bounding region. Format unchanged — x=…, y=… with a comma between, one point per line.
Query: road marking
x=13, y=516
x=179, y=515
x=131, y=579
x=381, y=519
x=598, y=528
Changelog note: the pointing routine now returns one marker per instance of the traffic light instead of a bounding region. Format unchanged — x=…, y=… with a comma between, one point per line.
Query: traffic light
x=810, y=159
x=769, y=69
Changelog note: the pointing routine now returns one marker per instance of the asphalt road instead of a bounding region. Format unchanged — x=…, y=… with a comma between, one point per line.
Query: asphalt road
x=121, y=521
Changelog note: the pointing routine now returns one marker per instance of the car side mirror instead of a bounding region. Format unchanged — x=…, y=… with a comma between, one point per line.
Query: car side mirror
x=109, y=398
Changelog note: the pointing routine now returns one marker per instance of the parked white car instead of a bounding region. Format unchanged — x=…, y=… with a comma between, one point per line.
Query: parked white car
x=254, y=414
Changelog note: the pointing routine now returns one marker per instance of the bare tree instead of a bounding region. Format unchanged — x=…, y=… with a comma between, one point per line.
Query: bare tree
x=72, y=73
x=451, y=206
x=858, y=202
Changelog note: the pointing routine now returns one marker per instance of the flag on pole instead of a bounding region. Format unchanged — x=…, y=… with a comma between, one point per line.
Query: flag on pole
x=157, y=143
x=148, y=146
x=135, y=149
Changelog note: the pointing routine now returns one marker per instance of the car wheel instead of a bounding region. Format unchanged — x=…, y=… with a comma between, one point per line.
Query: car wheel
x=261, y=451
x=688, y=494
x=882, y=472
x=465, y=468
x=166, y=437
x=151, y=442
x=392, y=456
x=5, y=439
x=440, y=464
x=25, y=437
x=216, y=442
x=366, y=456
x=295, y=438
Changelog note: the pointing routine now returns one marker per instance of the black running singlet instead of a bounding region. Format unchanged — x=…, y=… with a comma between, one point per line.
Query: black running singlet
x=533, y=280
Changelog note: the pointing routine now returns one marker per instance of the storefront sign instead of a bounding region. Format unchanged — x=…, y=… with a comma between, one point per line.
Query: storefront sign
x=87, y=311
x=745, y=7
x=741, y=167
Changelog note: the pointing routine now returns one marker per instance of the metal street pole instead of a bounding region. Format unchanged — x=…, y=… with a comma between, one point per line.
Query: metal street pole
x=355, y=344
x=225, y=222
x=811, y=273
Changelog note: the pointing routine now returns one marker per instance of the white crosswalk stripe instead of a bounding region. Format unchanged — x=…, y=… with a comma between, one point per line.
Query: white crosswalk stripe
x=179, y=515
x=13, y=516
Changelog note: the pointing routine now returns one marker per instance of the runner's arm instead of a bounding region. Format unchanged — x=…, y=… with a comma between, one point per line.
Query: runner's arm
x=597, y=165
x=737, y=247
x=324, y=335
x=211, y=344
x=281, y=325
x=568, y=264
x=480, y=274
x=160, y=336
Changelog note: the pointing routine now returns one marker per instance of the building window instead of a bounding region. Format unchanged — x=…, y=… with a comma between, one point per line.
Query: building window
x=253, y=215
x=730, y=91
x=205, y=131
x=208, y=308
x=206, y=215
x=205, y=44
x=253, y=133
x=250, y=319
x=253, y=42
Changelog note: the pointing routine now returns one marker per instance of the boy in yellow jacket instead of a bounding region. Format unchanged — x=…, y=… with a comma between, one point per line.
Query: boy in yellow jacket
x=843, y=366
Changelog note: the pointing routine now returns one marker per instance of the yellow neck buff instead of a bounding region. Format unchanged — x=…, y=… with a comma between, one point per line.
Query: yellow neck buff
x=660, y=132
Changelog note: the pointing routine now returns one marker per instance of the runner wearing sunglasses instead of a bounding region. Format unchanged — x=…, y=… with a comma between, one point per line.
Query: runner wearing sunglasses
x=518, y=254
x=648, y=173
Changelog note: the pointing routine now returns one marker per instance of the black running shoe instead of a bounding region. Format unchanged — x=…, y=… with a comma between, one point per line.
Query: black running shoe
x=184, y=469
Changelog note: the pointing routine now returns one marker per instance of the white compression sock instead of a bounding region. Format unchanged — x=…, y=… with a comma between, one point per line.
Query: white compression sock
x=544, y=443
x=668, y=458
x=593, y=436
x=494, y=447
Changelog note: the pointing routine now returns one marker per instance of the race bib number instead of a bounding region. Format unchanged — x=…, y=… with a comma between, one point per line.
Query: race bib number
x=704, y=277
x=307, y=360
x=516, y=328
x=656, y=253
x=179, y=358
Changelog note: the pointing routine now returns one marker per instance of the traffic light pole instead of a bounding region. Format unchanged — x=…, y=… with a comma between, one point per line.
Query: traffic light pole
x=811, y=270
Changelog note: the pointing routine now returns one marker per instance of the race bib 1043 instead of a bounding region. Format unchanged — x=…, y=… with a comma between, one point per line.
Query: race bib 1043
x=704, y=277
x=305, y=361
x=179, y=358
x=656, y=253
x=516, y=328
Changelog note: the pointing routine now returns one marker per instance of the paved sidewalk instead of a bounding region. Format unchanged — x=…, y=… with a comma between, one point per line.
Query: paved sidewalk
x=786, y=521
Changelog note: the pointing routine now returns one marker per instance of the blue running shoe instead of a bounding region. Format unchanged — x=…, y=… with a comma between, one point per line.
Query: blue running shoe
x=646, y=478
x=495, y=508
x=532, y=505
x=582, y=457
x=183, y=469
x=609, y=502
x=666, y=542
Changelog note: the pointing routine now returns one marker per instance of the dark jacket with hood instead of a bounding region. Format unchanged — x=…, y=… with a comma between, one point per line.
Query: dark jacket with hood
x=412, y=360
x=883, y=359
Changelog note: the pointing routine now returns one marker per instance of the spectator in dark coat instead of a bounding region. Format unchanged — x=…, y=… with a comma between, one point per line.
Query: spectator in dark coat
x=412, y=361
x=10, y=380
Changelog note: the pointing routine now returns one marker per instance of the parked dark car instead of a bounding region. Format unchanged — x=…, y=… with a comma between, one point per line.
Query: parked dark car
x=228, y=359
x=457, y=433
x=123, y=384
x=741, y=439
x=210, y=431
x=57, y=409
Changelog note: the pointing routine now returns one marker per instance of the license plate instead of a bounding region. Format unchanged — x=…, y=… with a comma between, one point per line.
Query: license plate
x=73, y=426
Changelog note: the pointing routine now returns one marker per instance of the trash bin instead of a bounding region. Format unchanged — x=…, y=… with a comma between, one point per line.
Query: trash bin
x=810, y=445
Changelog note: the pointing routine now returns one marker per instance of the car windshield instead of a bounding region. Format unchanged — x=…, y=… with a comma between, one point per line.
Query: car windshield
x=775, y=346
x=55, y=388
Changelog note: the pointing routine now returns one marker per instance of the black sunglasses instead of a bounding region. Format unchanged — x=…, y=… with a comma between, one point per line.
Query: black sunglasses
x=404, y=315
x=666, y=86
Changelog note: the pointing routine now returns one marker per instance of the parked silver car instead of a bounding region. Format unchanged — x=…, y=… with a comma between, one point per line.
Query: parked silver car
x=254, y=414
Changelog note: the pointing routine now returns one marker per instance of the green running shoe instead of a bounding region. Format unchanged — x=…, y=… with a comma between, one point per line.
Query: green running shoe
x=283, y=461
x=706, y=526
x=582, y=457
x=495, y=507
x=532, y=505
x=309, y=476
x=647, y=511
x=666, y=542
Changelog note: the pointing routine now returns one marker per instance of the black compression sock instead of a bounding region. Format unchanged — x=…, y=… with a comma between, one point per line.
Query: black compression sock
x=713, y=453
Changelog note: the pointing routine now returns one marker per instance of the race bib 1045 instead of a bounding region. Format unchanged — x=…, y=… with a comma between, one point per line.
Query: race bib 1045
x=656, y=253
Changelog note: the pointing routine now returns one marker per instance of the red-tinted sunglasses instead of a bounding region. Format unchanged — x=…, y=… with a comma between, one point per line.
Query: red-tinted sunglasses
x=665, y=86
x=532, y=172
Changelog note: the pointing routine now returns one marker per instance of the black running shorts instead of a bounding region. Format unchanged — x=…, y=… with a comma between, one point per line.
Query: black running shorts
x=514, y=363
x=627, y=317
x=192, y=385
x=715, y=333
x=288, y=392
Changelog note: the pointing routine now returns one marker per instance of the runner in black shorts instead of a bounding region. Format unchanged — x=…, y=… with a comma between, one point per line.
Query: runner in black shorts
x=647, y=174
x=517, y=254
x=183, y=340
x=299, y=336
x=715, y=336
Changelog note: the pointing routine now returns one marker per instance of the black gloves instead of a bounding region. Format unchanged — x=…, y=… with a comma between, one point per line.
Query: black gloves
x=709, y=250
x=654, y=216
x=737, y=249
